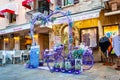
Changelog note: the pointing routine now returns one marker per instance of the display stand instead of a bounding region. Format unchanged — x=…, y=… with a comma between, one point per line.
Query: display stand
x=77, y=67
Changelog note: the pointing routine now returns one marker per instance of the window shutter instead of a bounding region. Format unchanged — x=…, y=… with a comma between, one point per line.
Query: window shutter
x=59, y=3
x=76, y=1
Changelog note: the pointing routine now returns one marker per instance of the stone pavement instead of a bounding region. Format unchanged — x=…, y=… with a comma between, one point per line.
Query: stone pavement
x=19, y=72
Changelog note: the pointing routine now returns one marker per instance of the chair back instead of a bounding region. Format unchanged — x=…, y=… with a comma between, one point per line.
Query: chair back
x=17, y=53
x=26, y=52
x=1, y=56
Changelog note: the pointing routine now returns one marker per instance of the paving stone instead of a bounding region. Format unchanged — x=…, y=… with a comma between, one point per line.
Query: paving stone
x=19, y=72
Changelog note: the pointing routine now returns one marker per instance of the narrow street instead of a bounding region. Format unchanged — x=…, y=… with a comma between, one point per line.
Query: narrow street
x=19, y=72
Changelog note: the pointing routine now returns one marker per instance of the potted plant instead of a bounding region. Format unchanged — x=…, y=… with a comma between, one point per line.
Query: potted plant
x=41, y=62
x=57, y=67
x=63, y=67
x=78, y=66
x=68, y=66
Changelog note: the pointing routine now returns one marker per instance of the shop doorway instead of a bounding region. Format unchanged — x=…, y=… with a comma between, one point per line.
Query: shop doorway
x=44, y=41
x=1, y=43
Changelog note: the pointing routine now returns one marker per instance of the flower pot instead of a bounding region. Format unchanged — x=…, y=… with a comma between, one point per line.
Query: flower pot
x=41, y=63
x=77, y=72
x=63, y=70
x=70, y=71
x=57, y=69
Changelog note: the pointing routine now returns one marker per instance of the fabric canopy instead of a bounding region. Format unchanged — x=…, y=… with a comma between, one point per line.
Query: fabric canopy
x=26, y=3
x=2, y=14
x=51, y=1
x=8, y=8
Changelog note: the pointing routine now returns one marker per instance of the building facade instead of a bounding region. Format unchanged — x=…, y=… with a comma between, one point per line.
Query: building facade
x=15, y=16
x=86, y=23
x=91, y=20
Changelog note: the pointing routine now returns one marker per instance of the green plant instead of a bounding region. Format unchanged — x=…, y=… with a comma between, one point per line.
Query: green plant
x=57, y=65
x=68, y=65
x=77, y=53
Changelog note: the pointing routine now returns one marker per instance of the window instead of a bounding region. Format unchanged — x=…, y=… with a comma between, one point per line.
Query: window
x=43, y=7
x=67, y=2
x=63, y=3
x=11, y=0
x=112, y=30
x=89, y=36
x=12, y=18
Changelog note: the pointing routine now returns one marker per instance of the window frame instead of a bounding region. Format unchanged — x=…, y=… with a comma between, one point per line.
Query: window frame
x=96, y=35
x=11, y=18
x=111, y=26
x=66, y=5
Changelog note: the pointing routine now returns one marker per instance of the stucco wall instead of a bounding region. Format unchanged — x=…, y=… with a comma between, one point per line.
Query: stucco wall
x=83, y=5
x=20, y=19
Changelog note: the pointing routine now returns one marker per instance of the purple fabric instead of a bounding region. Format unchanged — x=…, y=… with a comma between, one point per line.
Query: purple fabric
x=116, y=45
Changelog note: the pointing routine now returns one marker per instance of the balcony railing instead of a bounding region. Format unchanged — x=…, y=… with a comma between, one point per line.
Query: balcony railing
x=42, y=10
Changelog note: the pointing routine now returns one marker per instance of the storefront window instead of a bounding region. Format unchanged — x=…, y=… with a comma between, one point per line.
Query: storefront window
x=68, y=2
x=89, y=37
x=111, y=30
x=12, y=18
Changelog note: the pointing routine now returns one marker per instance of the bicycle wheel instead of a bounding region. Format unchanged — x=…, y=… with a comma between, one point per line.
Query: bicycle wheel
x=50, y=62
x=87, y=61
x=55, y=63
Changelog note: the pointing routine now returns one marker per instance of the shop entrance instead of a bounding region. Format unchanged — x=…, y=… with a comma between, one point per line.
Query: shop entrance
x=46, y=41
x=43, y=41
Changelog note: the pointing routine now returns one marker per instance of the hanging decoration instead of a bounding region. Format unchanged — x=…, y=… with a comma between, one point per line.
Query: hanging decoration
x=28, y=3
x=51, y=1
x=70, y=65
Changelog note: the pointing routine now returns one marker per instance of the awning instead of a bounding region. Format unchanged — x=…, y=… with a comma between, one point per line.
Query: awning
x=9, y=8
x=79, y=16
x=26, y=26
x=2, y=14
x=27, y=3
x=112, y=13
x=15, y=28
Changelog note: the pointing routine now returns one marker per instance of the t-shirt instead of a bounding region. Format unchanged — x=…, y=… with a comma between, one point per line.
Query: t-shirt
x=116, y=45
